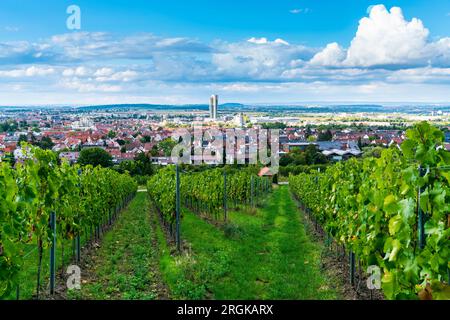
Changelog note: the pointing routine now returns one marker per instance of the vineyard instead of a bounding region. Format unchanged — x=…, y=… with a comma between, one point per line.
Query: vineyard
x=44, y=204
x=209, y=192
x=242, y=238
x=391, y=212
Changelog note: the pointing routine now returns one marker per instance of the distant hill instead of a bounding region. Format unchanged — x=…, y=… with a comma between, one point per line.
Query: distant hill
x=189, y=107
x=238, y=107
x=231, y=105
x=143, y=106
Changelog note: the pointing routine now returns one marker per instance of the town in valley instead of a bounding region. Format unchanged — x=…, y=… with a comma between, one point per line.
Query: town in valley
x=126, y=132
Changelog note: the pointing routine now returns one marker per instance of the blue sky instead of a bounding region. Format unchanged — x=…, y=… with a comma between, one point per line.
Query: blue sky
x=176, y=51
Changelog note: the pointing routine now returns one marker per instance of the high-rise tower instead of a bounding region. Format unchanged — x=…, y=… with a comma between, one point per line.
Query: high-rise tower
x=213, y=103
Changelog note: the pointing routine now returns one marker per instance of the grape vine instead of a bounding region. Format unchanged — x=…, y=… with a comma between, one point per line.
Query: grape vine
x=38, y=186
x=203, y=192
x=377, y=207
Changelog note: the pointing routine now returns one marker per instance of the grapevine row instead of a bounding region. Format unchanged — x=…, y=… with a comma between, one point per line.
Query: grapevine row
x=203, y=191
x=37, y=186
x=392, y=212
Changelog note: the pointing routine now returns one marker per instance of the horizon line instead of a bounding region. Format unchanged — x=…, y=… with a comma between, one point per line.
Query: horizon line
x=280, y=104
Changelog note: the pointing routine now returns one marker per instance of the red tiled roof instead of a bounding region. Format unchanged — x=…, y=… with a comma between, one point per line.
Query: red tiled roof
x=127, y=156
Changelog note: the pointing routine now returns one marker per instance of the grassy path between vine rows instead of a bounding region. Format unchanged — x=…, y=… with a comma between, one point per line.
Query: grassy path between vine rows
x=125, y=264
x=265, y=255
x=261, y=255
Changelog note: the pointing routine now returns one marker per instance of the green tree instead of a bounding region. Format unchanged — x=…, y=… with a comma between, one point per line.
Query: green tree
x=140, y=167
x=9, y=158
x=325, y=136
x=9, y=126
x=126, y=166
x=308, y=132
x=314, y=156
x=23, y=138
x=111, y=134
x=143, y=164
x=121, y=142
x=297, y=157
x=274, y=125
x=166, y=146
x=45, y=143
x=285, y=160
x=154, y=151
x=360, y=144
x=146, y=139
x=373, y=152
x=95, y=157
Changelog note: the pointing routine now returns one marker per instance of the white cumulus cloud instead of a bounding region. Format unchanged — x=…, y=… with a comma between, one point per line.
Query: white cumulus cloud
x=257, y=58
x=265, y=41
x=103, y=72
x=281, y=41
x=32, y=71
x=332, y=55
x=389, y=57
x=78, y=71
x=258, y=40
x=384, y=38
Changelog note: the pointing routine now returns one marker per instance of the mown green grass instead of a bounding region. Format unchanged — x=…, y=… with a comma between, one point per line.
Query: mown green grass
x=188, y=274
x=261, y=254
x=124, y=265
x=267, y=255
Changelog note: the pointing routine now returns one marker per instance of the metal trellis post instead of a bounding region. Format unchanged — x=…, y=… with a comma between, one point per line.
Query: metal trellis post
x=420, y=227
x=225, y=195
x=251, y=191
x=52, y=253
x=178, y=208
x=78, y=242
x=352, y=268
